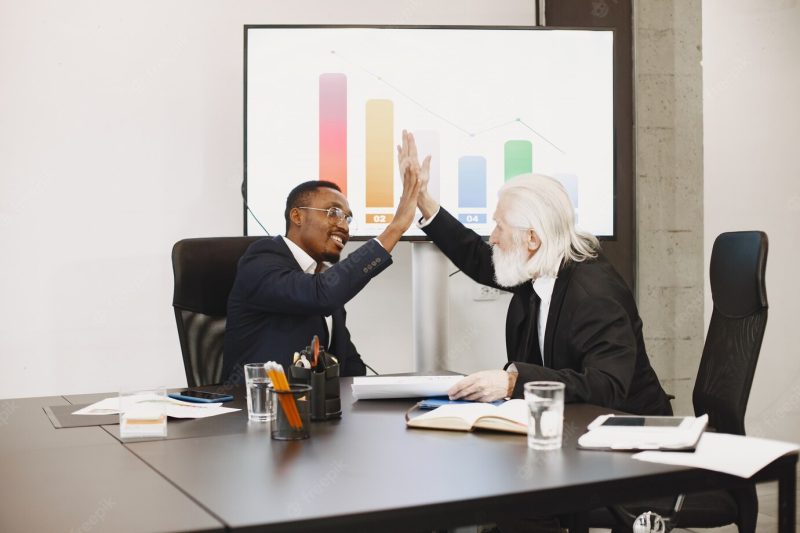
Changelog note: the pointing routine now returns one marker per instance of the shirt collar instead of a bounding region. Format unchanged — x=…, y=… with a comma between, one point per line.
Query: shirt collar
x=544, y=287
x=306, y=262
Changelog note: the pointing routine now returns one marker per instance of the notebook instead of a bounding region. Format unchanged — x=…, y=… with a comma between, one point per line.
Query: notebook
x=511, y=416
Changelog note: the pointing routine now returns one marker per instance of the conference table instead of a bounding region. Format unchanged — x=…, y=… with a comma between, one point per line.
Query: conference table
x=365, y=471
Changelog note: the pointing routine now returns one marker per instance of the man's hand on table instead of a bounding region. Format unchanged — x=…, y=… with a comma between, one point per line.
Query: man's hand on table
x=484, y=386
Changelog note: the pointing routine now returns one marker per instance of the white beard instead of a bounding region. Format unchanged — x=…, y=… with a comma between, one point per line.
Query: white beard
x=509, y=267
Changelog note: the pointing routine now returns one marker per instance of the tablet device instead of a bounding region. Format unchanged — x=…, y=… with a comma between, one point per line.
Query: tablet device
x=624, y=432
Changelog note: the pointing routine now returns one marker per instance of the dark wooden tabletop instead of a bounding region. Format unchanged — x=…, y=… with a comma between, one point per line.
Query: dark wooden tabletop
x=82, y=479
x=366, y=471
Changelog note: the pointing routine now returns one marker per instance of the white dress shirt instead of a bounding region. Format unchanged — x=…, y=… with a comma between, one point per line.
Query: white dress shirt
x=309, y=266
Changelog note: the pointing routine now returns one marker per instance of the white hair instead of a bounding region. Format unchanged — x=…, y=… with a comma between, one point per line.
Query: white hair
x=541, y=203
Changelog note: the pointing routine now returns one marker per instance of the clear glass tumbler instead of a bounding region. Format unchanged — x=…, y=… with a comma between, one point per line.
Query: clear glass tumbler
x=258, y=398
x=545, y=401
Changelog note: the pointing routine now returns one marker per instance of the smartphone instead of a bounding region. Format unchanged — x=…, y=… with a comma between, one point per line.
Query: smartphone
x=191, y=395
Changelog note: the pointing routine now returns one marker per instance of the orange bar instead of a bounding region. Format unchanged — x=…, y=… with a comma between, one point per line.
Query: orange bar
x=379, y=218
x=380, y=153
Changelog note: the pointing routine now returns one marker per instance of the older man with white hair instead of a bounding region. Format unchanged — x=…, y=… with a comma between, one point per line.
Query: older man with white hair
x=572, y=318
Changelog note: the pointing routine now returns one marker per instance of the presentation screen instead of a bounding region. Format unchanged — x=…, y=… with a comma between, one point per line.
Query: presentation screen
x=486, y=103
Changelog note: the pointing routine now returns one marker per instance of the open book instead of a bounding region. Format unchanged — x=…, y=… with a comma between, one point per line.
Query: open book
x=511, y=416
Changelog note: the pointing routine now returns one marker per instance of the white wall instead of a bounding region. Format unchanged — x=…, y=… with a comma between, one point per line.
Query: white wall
x=121, y=133
x=751, y=63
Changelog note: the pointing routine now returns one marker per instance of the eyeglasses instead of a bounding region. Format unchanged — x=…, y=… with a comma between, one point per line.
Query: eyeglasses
x=334, y=213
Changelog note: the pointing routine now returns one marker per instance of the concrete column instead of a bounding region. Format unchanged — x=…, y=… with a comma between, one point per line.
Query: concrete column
x=669, y=189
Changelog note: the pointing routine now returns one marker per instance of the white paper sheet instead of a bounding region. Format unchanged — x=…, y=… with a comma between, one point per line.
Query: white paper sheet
x=173, y=408
x=721, y=452
x=386, y=387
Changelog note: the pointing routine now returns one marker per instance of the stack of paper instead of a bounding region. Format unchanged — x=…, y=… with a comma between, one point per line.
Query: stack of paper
x=173, y=408
x=730, y=454
x=385, y=387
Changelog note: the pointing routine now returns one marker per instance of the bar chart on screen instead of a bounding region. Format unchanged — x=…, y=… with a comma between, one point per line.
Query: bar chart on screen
x=335, y=106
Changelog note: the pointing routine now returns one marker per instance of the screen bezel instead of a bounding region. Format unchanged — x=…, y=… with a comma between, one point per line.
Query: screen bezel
x=422, y=238
x=609, y=422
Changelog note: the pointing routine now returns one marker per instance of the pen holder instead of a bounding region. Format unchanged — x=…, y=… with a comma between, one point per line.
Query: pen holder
x=290, y=410
x=325, y=401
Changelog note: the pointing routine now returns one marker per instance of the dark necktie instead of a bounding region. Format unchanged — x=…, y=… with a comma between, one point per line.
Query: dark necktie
x=532, y=352
x=324, y=339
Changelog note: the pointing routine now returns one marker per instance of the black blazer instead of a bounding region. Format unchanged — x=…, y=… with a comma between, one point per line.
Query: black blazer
x=593, y=341
x=274, y=308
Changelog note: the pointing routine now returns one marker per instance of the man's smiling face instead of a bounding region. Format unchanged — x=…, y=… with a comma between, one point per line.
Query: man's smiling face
x=321, y=236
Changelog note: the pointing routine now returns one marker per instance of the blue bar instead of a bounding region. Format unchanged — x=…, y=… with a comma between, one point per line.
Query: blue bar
x=472, y=181
x=472, y=218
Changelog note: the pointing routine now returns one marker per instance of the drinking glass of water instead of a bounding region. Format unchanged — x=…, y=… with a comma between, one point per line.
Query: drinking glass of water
x=545, y=401
x=258, y=397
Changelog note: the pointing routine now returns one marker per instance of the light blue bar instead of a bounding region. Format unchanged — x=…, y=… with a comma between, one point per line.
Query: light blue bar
x=570, y=183
x=472, y=218
x=472, y=181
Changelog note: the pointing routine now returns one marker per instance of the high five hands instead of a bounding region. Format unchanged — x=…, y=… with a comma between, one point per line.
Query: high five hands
x=404, y=216
x=415, y=192
x=410, y=167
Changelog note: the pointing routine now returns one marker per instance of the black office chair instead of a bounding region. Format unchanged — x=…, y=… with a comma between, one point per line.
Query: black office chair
x=204, y=272
x=722, y=388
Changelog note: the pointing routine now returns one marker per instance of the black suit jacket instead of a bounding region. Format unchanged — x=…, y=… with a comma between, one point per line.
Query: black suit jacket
x=593, y=341
x=274, y=308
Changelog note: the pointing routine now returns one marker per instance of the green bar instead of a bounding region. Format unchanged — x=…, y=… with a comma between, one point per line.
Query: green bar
x=518, y=158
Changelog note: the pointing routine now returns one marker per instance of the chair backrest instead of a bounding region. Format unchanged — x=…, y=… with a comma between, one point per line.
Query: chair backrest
x=738, y=321
x=204, y=272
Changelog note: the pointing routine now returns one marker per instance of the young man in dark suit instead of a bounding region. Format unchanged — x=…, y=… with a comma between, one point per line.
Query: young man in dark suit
x=288, y=289
x=572, y=318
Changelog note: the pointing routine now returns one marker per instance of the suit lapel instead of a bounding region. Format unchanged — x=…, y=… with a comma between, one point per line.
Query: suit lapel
x=519, y=303
x=553, y=314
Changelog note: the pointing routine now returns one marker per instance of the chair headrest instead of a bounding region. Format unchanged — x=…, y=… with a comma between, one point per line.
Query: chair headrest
x=738, y=265
x=204, y=272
